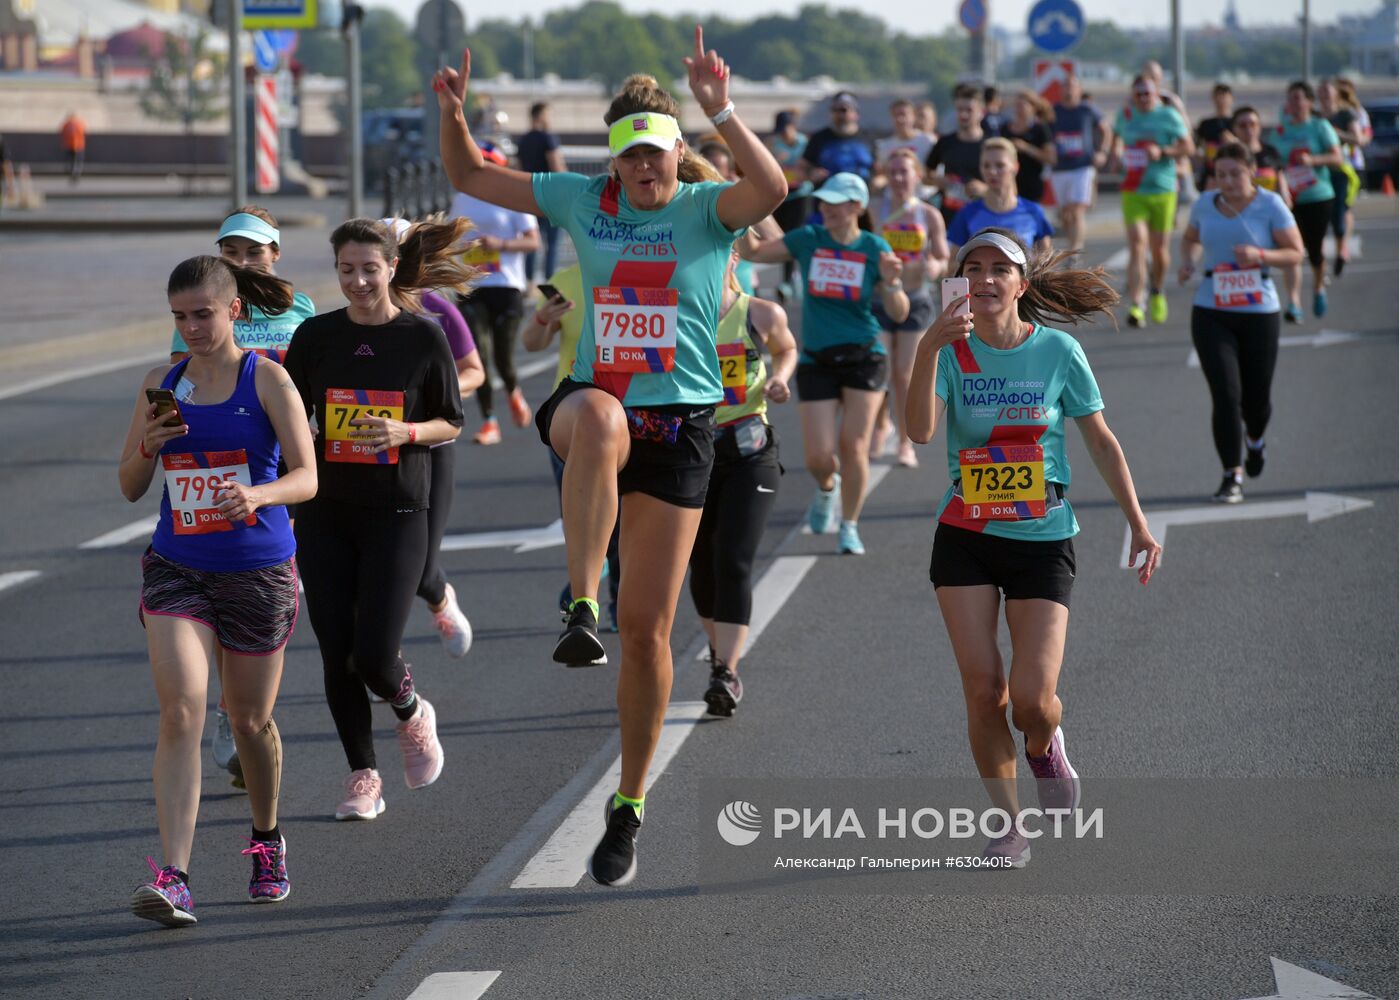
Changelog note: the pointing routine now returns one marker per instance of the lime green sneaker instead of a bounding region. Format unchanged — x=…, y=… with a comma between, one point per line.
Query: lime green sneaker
x=1135, y=317
x=1159, y=311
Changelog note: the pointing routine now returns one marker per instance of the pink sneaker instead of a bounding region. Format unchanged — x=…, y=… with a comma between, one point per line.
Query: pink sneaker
x=1055, y=778
x=364, y=795
x=422, y=753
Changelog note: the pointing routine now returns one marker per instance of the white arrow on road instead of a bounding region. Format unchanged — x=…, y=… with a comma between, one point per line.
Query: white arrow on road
x=121, y=536
x=1317, y=507
x=1325, y=338
x=520, y=539
x=1294, y=983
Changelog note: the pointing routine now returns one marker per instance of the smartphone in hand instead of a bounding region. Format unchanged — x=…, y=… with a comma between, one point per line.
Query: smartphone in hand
x=164, y=400
x=955, y=288
x=549, y=292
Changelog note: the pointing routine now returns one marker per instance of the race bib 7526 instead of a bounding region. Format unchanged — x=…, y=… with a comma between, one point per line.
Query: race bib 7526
x=837, y=274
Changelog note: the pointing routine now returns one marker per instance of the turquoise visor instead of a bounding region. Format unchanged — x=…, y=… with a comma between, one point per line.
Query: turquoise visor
x=250, y=227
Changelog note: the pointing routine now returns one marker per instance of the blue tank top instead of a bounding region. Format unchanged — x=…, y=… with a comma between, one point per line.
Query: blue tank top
x=229, y=440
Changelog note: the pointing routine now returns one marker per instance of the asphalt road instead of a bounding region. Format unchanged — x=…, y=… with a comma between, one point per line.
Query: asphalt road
x=1265, y=648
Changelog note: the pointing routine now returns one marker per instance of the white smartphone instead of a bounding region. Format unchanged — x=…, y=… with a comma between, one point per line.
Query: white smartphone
x=954, y=288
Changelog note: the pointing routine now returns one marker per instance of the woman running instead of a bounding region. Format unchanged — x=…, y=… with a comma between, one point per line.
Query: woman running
x=743, y=483
x=1342, y=110
x=1005, y=524
x=1031, y=132
x=636, y=415
x=917, y=234
x=249, y=238
x=843, y=370
x=1248, y=236
x=1310, y=146
x=381, y=383
x=1001, y=205
x=218, y=579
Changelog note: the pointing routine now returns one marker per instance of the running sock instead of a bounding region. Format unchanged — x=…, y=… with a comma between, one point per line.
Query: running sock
x=587, y=601
x=261, y=757
x=849, y=524
x=274, y=834
x=1232, y=474
x=1255, y=445
x=637, y=805
x=407, y=707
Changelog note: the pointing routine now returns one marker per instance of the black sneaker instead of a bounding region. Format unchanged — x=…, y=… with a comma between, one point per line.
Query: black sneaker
x=613, y=861
x=1253, y=462
x=1229, y=491
x=725, y=689
x=579, y=645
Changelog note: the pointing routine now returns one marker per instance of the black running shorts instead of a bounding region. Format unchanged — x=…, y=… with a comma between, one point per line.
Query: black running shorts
x=251, y=612
x=818, y=380
x=672, y=448
x=1023, y=570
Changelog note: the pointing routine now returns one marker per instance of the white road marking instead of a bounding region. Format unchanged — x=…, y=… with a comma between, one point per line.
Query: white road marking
x=86, y=371
x=17, y=577
x=528, y=370
x=559, y=863
x=1295, y=983
x=1324, y=338
x=1356, y=246
x=877, y=474
x=121, y=536
x=521, y=539
x=454, y=986
x=1317, y=507
x=780, y=582
x=1117, y=262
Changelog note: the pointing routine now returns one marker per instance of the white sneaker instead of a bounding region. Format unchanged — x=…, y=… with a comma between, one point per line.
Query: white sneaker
x=452, y=626
x=225, y=750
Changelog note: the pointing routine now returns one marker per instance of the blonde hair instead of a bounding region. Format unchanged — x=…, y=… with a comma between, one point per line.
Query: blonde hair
x=997, y=142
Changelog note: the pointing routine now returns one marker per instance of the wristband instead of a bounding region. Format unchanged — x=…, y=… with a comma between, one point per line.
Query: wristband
x=540, y=322
x=141, y=447
x=896, y=285
x=723, y=114
x=412, y=433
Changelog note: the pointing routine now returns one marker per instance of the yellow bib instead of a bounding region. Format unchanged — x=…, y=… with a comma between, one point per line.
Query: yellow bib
x=741, y=367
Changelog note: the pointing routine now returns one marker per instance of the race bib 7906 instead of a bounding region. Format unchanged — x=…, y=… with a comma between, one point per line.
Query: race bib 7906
x=1236, y=286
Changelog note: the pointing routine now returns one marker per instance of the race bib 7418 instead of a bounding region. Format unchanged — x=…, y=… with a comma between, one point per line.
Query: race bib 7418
x=342, y=408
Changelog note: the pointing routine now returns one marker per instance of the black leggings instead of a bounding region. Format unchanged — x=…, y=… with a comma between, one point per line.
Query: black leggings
x=433, y=586
x=1312, y=220
x=361, y=567
x=493, y=313
x=1238, y=352
x=741, y=495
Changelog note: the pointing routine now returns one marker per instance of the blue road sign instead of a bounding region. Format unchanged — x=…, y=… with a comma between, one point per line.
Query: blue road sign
x=973, y=15
x=1055, y=25
x=265, y=56
x=283, y=39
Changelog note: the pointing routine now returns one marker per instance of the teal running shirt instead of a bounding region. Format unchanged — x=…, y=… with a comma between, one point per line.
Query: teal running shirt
x=652, y=282
x=1002, y=400
x=261, y=333
x=1161, y=125
x=839, y=280
x=1315, y=136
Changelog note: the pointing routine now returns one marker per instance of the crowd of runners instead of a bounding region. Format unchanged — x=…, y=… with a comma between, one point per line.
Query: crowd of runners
x=312, y=453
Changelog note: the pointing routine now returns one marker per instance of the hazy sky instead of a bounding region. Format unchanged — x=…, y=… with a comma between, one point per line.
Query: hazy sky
x=924, y=17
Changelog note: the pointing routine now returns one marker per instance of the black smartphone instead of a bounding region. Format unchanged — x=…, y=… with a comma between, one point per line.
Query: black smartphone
x=549, y=292
x=164, y=400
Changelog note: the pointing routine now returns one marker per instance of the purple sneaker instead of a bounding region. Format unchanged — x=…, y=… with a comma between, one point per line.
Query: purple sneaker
x=1055, y=777
x=1012, y=846
x=166, y=900
x=269, y=883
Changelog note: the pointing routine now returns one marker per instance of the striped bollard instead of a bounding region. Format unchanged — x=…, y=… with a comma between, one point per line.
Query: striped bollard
x=266, y=161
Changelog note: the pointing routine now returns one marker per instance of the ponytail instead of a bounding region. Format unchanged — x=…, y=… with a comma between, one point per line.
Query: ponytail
x=271, y=294
x=429, y=255
x=1059, y=294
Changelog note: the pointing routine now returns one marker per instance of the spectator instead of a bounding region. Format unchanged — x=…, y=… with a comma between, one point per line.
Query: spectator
x=539, y=153
x=994, y=119
x=73, y=135
x=841, y=148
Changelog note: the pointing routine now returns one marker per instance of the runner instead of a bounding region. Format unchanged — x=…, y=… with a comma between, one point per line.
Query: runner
x=843, y=370
x=1149, y=136
x=1030, y=132
x=495, y=306
x=249, y=238
x=1342, y=110
x=1248, y=235
x=905, y=136
x=915, y=231
x=788, y=147
x=742, y=484
x=381, y=383
x=925, y=116
x=1081, y=139
x=1214, y=132
x=218, y=577
x=994, y=119
x=841, y=147
x=620, y=425
x=1024, y=548
x=1310, y=145
x=1000, y=205
x=958, y=155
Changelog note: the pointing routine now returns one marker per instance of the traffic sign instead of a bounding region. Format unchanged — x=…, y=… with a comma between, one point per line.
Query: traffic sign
x=1051, y=77
x=265, y=56
x=1055, y=25
x=284, y=40
x=972, y=14
x=260, y=14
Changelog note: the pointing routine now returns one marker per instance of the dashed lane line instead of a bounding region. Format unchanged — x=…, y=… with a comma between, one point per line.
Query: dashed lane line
x=17, y=577
x=454, y=986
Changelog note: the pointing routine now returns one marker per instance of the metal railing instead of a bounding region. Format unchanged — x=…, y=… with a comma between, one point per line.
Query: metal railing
x=416, y=190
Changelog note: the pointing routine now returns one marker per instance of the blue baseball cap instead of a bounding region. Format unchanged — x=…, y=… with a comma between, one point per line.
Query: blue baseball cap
x=250, y=227
x=844, y=187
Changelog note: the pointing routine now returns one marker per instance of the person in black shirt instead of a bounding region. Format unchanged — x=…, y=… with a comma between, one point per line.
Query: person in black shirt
x=1214, y=132
x=1031, y=133
x=841, y=148
x=381, y=384
x=1269, y=167
x=539, y=153
x=959, y=155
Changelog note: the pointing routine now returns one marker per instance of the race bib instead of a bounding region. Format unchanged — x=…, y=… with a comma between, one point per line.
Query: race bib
x=486, y=260
x=190, y=481
x=954, y=192
x=1236, y=286
x=344, y=405
x=1070, y=143
x=733, y=370
x=907, y=239
x=634, y=329
x=1134, y=164
x=1300, y=176
x=837, y=274
x=792, y=175
x=1003, y=483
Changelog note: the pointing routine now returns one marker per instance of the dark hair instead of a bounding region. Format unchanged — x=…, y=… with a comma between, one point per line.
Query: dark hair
x=1235, y=151
x=538, y=108
x=257, y=212
x=1304, y=87
x=642, y=94
x=989, y=94
x=967, y=92
x=1222, y=88
x=429, y=255
x=268, y=292
x=1057, y=293
x=1247, y=109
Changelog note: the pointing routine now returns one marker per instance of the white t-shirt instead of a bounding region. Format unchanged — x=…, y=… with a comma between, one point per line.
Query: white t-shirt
x=921, y=143
x=506, y=268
